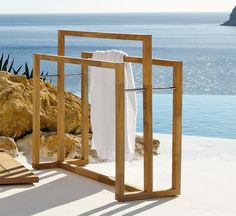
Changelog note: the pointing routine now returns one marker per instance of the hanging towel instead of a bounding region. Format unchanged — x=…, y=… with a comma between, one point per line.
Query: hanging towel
x=102, y=100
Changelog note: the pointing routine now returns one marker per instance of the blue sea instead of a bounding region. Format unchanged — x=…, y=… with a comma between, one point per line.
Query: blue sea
x=207, y=49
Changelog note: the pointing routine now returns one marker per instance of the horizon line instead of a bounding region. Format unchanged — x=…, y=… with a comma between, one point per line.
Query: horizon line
x=132, y=12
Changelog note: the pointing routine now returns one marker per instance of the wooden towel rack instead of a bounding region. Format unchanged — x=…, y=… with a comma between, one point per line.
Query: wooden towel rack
x=123, y=192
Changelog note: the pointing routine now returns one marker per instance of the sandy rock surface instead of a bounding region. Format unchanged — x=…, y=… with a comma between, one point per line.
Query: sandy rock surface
x=48, y=147
x=16, y=114
x=16, y=107
x=8, y=145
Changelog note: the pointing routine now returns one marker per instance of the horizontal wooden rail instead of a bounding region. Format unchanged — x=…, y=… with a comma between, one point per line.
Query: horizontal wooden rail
x=130, y=196
x=103, y=35
x=139, y=60
x=74, y=60
x=96, y=176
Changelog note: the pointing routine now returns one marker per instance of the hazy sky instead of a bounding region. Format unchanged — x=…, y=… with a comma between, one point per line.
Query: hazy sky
x=91, y=6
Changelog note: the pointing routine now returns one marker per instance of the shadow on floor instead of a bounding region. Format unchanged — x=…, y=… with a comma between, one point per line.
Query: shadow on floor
x=58, y=187
x=55, y=189
x=119, y=207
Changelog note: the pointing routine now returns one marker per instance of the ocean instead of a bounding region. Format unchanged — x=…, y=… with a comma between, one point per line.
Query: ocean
x=207, y=49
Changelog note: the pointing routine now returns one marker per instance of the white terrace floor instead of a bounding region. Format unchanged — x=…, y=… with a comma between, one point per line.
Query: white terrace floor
x=208, y=186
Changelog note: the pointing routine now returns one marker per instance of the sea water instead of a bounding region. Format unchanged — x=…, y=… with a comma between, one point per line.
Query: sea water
x=207, y=49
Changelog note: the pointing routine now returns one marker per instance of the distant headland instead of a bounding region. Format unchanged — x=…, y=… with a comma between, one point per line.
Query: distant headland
x=232, y=19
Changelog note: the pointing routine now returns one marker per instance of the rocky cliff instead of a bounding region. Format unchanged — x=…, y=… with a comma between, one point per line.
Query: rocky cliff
x=232, y=19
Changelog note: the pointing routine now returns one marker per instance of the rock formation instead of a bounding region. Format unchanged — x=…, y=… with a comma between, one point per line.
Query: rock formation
x=8, y=145
x=48, y=147
x=16, y=107
x=16, y=114
x=232, y=19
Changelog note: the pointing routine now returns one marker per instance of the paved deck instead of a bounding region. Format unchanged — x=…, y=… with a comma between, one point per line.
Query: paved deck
x=208, y=186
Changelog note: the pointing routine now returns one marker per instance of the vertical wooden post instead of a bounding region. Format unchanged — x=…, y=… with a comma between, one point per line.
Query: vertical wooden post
x=177, y=128
x=36, y=112
x=60, y=100
x=147, y=113
x=120, y=131
x=85, y=112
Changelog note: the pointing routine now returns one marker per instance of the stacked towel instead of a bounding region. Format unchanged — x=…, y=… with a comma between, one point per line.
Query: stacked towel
x=102, y=99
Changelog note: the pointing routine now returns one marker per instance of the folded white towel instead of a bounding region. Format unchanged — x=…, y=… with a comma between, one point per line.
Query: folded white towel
x=102, y=99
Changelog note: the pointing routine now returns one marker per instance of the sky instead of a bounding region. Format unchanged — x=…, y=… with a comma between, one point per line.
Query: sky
x=112, y=6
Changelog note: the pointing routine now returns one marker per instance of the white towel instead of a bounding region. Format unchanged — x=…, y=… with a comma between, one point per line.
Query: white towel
x=102, y=99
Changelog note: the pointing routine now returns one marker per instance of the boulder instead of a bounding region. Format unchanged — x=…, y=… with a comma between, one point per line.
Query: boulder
x=16, y=107
x=72, y=146
x=16, y=114
x=232, y=19
x=48, y=147
x=8, y=145
x=139, y=146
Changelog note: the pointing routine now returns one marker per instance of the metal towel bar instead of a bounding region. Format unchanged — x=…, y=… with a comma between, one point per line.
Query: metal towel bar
x=154, y=88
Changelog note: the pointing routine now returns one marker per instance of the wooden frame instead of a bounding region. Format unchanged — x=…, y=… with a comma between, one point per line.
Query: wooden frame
x=123, y=191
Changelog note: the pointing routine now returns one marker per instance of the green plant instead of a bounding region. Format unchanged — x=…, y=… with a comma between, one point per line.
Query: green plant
x=17, y=71
x=27, y=72
x=44, y=76
x=5, y=63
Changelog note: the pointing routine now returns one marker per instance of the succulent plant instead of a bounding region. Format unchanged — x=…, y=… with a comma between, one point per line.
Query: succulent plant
x=27, y=72
x=4, y=63
x=5, y=66
x=17, y=71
